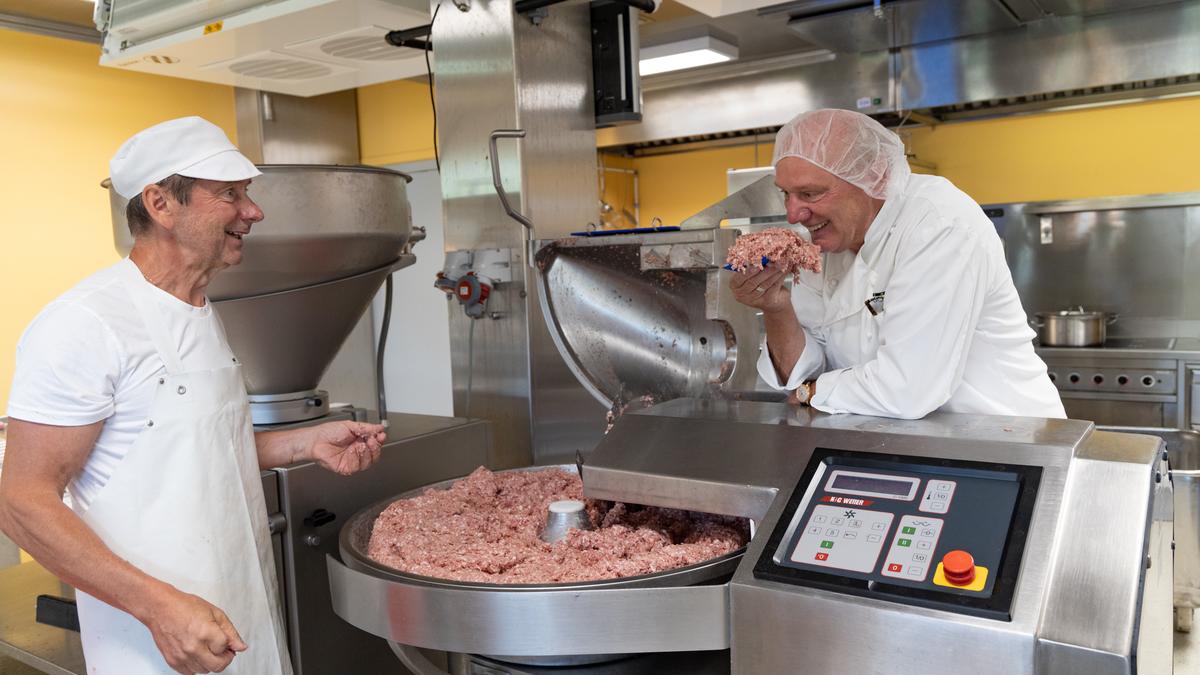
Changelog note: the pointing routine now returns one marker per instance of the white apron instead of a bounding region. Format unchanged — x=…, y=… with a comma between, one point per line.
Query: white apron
x=186, y=506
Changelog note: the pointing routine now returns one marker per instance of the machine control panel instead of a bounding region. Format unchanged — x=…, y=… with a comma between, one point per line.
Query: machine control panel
x=933, y=532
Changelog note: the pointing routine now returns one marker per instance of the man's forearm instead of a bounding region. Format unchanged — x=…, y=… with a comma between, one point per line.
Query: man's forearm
x=785, y=341
x=278, y=448
x=62, y=543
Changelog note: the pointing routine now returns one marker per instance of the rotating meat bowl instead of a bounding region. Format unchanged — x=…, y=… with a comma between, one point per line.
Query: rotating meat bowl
x=536, y=626
x=329, y=237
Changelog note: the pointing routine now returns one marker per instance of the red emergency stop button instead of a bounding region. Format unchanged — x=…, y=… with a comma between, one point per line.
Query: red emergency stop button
x=958, y=567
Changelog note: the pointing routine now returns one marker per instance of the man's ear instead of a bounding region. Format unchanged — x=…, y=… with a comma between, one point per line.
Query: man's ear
x=159, y=205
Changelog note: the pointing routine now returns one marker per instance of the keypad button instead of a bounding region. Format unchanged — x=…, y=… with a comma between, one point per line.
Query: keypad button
x=832, y=532
x=920, y=544
x=905, y=543
x=908, y=530
x=916, y=571
x=920, y=557
x=849, y=535
x=827, y=544
x=856, y=523
x=819, y=519
x=895, y=567
x=877, y=526
x=928, y=532
x=822, y=556
x=814, y=530
x=839, y=521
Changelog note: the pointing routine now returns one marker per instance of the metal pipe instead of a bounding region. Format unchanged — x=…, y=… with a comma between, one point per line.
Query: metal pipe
x=383, y=334
x=411, y=37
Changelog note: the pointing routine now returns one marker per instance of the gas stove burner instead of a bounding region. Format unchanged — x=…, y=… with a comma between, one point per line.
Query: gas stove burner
x=1139, y=343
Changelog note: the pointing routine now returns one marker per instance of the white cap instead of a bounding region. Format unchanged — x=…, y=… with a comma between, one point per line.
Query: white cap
x=188, y=146
x=849, y=145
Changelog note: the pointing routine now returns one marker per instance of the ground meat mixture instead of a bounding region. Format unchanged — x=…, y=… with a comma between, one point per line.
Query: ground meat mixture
x=485, y=528
x=781, y=247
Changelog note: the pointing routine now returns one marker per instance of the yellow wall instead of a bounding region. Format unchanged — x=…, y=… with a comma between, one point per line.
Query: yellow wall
x=1140, y=148
x=61, y=118
x=395, y=122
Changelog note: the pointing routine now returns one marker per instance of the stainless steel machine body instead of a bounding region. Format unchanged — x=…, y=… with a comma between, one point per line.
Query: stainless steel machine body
x=1082, y=584
x=496, y=70
x=1146, y=374
x=1079, y=603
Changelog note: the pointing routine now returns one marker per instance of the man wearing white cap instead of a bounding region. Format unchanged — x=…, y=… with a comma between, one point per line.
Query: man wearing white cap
x=915, y=308
x=127, y=395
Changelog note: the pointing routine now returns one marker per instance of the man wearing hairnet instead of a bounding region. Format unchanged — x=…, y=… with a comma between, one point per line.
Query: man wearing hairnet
x=915, y=308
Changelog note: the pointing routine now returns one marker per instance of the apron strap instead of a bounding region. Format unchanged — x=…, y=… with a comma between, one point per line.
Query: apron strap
x=155, y=326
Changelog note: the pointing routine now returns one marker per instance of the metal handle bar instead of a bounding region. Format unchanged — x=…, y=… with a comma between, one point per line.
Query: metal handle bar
x=512, y=213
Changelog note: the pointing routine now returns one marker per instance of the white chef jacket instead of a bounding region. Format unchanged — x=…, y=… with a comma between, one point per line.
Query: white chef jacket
x=950, y=333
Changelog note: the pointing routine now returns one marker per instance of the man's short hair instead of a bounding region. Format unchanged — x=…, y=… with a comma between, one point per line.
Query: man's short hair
x=179, y=187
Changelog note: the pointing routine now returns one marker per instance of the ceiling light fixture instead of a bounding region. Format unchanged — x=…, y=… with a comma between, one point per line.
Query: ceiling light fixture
x=688, y=53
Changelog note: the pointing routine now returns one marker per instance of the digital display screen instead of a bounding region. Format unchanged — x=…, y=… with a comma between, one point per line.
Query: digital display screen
x=873, y=484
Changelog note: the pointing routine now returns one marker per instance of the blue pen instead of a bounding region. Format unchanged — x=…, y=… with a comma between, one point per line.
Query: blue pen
x=764, y=264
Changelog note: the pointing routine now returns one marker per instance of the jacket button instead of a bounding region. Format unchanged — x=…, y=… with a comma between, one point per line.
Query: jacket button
x=182, y=390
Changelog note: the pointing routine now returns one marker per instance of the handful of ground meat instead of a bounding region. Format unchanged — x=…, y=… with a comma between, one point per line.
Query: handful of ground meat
x=781, y=247
x=485, y=528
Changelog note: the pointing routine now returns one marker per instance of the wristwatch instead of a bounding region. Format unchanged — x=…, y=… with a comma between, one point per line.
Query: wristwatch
x=804, y=392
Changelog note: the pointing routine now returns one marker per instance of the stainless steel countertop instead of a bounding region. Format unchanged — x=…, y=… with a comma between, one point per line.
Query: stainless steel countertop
x=1184, y=349
x=52, y=650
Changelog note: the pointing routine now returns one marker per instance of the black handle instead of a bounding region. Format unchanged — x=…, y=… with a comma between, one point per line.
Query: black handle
x=320, y=517
x=58, y=612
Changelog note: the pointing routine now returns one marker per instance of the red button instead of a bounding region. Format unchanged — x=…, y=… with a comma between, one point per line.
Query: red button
x=958, y=568
x=895, y=568
x=822, y=556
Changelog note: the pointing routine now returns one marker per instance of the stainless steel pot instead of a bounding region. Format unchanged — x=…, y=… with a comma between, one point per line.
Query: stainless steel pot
x=1072, y=327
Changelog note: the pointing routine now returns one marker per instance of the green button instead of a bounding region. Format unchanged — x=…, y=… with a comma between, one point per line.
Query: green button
x=905, y=542
x=827, y=544
x=908, y=530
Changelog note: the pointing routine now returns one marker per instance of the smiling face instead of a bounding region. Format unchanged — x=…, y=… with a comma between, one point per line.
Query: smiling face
x=214, y=221
x=836, y=213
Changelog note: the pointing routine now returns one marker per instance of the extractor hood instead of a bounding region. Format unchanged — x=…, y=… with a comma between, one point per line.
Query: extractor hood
x=297, y=47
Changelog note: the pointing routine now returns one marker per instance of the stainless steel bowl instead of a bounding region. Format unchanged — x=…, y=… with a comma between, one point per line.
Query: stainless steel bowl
x=1072, y=328
x=321, y=223
x=426, y=610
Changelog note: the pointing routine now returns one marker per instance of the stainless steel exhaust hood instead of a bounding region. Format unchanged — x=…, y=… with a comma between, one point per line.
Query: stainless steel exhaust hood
x=946, y=59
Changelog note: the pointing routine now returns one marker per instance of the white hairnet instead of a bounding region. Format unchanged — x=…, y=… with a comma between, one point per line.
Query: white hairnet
x=849, y=145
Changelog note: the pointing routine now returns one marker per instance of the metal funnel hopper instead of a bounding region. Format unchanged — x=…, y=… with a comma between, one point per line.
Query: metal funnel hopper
x=287, y=339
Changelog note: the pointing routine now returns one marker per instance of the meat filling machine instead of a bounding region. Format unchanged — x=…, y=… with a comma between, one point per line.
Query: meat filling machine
x=949, y=544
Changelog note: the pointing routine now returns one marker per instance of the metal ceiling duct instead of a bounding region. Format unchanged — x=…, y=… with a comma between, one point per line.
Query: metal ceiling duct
x=948, y=64
x=330, y=236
